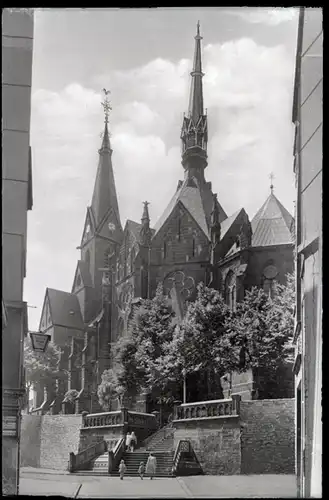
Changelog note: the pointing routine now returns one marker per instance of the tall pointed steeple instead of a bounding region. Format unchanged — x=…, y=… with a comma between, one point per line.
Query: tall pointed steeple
x=104, y=196
x=194, y=134
x=196, y=95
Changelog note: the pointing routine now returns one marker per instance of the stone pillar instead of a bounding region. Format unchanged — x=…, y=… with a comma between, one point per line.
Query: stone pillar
x=236, y=398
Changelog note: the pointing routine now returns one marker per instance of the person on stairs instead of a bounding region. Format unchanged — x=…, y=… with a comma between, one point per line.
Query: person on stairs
x=122, y=469
x=151, y=466
x=128, y=441
x=133, y=442
x=141, y=470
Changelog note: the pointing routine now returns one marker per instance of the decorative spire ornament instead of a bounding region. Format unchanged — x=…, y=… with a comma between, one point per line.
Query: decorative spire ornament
x=271, y=176
x=107, y=108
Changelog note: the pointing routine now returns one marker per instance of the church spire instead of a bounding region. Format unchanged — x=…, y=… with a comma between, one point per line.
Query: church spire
x=194, y=134
x=195, y=110
x=104, y=196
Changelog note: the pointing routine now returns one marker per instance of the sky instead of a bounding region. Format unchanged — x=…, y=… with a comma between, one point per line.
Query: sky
x=144, y=57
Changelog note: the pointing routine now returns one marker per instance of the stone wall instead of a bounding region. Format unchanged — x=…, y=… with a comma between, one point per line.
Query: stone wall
x=60, y=435
x=30, y=440
x=46, y=441
x=267, y=436
x=216, y=443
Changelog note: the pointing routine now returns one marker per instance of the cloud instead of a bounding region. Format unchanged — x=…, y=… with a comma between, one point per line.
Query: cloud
x=248, y=93
x=263, y=15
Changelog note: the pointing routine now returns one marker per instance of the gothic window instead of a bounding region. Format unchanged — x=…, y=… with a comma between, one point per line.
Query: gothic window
x=193, y=247
x=179, y=228
x=164, y=250
x=120, y=328
x=230, y=290
x=269, y=274
x=132, y=258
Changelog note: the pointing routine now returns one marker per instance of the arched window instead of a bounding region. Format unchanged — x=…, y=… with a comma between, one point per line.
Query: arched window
x=132, y=258
x=164, y=250
x=120, y=328
x=230, y=290
x=270, y=272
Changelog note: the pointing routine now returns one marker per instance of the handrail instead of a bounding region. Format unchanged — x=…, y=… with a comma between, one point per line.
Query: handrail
x=115, y=455
x=85, y=456
x=184, y=446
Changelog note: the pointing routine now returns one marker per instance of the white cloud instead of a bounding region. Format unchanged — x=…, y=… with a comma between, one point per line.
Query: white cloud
x=247, y=90
x=263, y=15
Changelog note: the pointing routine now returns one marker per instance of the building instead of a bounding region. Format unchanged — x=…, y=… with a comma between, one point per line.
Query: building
x=194, y=240
x=17, y=45
x=307, y=117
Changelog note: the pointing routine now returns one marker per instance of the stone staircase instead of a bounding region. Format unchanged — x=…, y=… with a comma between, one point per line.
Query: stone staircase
x=161, y=443
x=133, y=460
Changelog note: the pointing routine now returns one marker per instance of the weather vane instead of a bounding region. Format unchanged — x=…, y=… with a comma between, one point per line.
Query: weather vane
x=106, y=104
x=271, y=176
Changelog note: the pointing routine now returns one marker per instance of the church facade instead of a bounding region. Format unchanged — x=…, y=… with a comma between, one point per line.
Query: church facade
x=193, y=241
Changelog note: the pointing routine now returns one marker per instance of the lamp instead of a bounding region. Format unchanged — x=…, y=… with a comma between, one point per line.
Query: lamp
x=39, y=341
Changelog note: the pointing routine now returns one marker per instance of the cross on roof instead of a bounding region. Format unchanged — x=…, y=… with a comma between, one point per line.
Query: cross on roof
x=271, y=176
x=106, y=104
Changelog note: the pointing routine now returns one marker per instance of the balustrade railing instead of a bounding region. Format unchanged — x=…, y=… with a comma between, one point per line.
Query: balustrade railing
x=208, y=409
x=111, y=418
x=85, y=456
x=143, y=420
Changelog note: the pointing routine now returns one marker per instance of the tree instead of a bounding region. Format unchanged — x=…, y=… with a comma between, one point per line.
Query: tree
x=195, y=350
x=261, y=328
x=110, y=389
x=41, y=367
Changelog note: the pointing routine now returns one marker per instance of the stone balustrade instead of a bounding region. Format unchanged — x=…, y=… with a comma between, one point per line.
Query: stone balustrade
x=208, y=409
x=111, y=418
x=142, y=420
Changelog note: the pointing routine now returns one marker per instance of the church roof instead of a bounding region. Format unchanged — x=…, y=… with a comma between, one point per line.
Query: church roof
x=272, y=224
x=135, y=228
x=227, y=223
x=197, y=202
x=65, y=309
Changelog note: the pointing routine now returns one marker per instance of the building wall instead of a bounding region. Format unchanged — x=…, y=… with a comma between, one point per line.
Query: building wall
x=216, y=443
x=30, y=441
x=307, y=116
x=267, y=436
x=17, y=45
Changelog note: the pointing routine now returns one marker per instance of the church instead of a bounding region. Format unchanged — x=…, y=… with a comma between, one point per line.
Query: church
x=193, y=241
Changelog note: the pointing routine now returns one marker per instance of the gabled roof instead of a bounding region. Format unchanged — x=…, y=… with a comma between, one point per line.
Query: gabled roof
x=272, y=224
x=134, y=228
x=196, y=199
x=65, y=309
x=227, y=223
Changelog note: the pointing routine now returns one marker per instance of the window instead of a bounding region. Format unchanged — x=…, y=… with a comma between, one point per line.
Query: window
x=230, y=290
x=132, y=258
x=193, y=247
x=179, y=228
x=164, y=250
x=270, y=272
